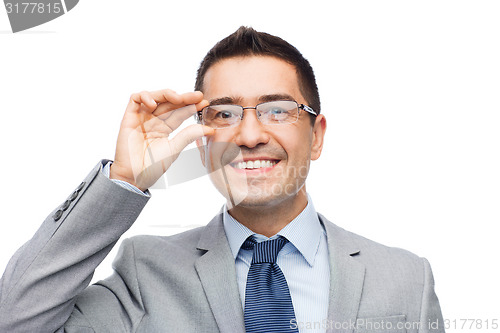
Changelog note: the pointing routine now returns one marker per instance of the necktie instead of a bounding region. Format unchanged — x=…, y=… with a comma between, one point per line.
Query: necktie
x=268, y=305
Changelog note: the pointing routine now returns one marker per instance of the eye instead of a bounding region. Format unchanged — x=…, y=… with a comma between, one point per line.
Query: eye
x=277, y=111
x=221, y=113
x=224, y=115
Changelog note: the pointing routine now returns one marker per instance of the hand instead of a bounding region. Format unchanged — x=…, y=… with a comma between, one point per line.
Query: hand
x=144, y=150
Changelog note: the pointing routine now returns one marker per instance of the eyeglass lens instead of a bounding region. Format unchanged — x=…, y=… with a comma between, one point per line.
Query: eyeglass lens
x=275, y=112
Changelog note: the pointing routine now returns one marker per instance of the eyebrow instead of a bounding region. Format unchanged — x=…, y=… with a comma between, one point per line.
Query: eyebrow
x=224, y=100
x=263, y=98
x=276, y=97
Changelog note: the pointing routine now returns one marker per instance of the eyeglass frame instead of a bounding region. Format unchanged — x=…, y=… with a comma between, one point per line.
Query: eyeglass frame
x=307, y=108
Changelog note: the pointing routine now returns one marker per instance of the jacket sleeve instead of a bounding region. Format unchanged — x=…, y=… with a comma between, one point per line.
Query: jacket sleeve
x=431, y=319
x=40, y=285
x=114, y=304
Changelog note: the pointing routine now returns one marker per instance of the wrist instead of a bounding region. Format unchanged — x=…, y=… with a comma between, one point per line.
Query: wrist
x=114, y=173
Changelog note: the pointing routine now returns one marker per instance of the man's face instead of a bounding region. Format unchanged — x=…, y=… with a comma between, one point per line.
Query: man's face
x=284, y=150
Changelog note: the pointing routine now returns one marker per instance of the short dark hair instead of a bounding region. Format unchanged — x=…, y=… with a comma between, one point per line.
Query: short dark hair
x=247, y=42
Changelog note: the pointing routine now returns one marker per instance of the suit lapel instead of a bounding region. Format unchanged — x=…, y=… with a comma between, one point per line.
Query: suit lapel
x=346, y=278
x=216, y=270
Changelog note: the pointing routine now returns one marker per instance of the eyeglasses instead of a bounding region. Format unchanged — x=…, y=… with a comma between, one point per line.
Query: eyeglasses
x=269, y=113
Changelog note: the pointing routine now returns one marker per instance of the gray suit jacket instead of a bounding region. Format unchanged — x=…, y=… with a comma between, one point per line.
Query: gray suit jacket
x=187, y=282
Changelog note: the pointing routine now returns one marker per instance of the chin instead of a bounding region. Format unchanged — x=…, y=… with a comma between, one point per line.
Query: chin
x=263, y=197
x=255, y=192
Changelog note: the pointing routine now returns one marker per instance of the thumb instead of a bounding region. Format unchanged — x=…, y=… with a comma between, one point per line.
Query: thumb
x=189, y=135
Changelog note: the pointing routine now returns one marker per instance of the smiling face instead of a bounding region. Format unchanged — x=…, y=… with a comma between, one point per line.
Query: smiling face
x=265, y=165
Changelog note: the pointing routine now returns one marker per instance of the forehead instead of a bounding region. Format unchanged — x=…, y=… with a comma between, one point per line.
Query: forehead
x=248, y=78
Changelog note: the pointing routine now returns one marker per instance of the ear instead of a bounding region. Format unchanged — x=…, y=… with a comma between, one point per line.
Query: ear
x=201, y=148
x=319, y=130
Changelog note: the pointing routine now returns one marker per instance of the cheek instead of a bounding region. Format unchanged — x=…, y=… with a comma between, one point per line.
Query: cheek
x=213, y=155
x=297, y=145
x=220, y=149
x=222, y=135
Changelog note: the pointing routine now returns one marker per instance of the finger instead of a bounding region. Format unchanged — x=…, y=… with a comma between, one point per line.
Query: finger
x=165, y=108
x=195, y=97
x=202, y=104
x=142, y=97
x=170, y=96
x=167, y=96
x=181, y=114
x=152, y=99
x=189, y=135
x=192, y=97
x=174, y=119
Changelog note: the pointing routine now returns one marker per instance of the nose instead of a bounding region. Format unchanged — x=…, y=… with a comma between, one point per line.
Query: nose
x=250, y=132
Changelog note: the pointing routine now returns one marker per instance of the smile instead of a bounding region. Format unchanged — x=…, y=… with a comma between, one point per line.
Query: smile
x=255, y=164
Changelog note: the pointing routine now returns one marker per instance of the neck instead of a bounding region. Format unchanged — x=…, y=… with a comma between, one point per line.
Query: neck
x=268, y=220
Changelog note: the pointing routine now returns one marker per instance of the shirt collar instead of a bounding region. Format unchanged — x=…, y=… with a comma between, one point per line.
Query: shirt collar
x=303, y=232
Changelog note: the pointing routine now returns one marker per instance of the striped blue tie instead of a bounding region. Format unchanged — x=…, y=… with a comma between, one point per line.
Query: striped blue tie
x=268, y=305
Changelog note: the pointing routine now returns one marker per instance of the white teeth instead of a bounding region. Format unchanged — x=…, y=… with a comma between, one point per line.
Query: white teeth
x=257, y=164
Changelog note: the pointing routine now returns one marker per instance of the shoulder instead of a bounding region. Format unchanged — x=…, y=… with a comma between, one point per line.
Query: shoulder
x=154, y=256
x=367, y=247
x=381, y=261
x=178, y=251
x=182, y=243
x=394, y=280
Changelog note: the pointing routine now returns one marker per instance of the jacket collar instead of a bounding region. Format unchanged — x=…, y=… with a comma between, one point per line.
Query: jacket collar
x=216, y=270
x=346, y=278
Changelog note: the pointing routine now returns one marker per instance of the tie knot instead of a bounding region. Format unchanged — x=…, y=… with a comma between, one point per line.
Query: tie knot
x=266, y=251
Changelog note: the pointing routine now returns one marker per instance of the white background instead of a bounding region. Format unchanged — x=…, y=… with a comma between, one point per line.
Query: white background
x=410, y=91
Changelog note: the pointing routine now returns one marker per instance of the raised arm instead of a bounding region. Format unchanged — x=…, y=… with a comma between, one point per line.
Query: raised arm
x=44, y=277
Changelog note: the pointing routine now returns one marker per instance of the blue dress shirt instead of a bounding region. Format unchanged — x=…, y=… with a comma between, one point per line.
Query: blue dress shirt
x=130, y=187
x=304, y=261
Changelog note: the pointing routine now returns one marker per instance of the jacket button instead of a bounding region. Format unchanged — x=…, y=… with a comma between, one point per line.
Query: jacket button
x=57, y=215
x=73, y=196
x=65, y=205
x=80, y=187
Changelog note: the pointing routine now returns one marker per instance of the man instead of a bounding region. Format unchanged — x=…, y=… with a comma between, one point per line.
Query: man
x=267, y=262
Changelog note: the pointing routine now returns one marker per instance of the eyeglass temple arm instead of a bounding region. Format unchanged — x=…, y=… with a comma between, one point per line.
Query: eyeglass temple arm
x=308, y=109
x=197, y=116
